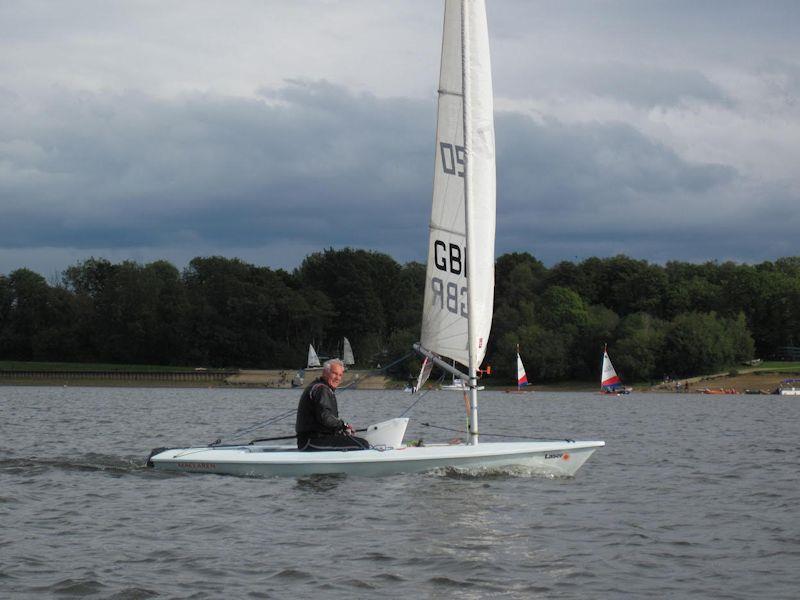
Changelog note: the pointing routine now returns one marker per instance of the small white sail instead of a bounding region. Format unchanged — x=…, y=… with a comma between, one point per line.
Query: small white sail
x=463, y=210
x=347, y=353
x=313, y=359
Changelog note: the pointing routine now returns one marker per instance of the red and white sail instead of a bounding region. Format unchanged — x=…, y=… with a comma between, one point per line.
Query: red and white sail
x=609, y=378
x=522, y=377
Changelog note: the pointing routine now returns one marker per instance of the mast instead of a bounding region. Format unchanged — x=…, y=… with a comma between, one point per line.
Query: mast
x=459, y=291
x=467, y=116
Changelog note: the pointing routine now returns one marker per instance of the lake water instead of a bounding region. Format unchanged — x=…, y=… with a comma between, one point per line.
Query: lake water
x=693, y=497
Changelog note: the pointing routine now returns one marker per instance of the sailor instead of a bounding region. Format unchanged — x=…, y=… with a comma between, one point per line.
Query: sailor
x=318, y=425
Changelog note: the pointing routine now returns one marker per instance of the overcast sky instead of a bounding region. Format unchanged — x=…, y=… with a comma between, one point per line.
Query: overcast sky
x=267, y=130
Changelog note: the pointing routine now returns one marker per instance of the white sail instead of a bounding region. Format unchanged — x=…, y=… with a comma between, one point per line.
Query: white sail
x=463, y=211
x=347, y=353
x=313, y=359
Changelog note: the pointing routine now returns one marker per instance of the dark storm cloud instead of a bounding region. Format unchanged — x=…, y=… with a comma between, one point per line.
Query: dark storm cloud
x=308, y=161
x=314, y=165
x=659, y=129
x=569, y=191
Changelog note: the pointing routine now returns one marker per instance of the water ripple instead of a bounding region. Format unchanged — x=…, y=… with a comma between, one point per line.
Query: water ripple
x=691, y=498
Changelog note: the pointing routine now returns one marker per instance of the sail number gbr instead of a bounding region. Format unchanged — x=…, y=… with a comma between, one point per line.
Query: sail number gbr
x=449, y=258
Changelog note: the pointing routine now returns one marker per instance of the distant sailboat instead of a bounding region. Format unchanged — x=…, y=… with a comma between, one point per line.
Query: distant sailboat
x=610, y=383
x=457, y=384
x=313, y=359
x=347, y=353
x=522, y=377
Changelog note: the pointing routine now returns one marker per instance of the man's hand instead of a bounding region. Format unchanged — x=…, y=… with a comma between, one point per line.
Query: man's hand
x=349, y=429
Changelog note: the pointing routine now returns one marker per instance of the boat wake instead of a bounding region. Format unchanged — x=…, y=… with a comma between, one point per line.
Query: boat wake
x=119, y=465
x=497, y=472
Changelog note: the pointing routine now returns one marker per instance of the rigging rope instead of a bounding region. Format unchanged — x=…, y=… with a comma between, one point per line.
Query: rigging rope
x=277, y=418
x=353, y=384
x=290, y=412
x=421, y=396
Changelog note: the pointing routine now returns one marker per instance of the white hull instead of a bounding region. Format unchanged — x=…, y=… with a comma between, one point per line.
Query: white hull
x=790, y=391
x=561, y=458
x=454, y=387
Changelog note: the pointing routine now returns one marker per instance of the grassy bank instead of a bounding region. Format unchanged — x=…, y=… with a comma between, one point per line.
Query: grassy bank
x=765, y=376
x=11, y=365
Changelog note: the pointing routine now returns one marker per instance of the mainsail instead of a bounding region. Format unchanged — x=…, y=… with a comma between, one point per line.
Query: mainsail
x=313, y=359
x=347, y=353
x=459, y=290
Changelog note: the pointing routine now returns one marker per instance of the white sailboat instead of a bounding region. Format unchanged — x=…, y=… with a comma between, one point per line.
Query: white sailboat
x=458, y=303
x=347, y=353
x=522, y=376
x=313, y=360
x=456, y=384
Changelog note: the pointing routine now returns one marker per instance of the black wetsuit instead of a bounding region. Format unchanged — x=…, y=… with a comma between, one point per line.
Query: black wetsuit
x=318, y=425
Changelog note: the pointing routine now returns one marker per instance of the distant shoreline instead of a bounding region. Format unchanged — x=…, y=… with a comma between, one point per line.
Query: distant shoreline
x=366, y=380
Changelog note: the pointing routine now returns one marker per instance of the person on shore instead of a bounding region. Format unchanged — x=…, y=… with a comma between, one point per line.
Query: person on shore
x=318, y=425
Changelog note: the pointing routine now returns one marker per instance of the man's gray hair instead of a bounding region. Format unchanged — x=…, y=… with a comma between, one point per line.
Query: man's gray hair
x=326, y=367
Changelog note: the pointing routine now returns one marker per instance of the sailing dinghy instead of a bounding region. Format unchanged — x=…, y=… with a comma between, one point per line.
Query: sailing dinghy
x=610, y=383
x=457, y=384
x=458, y=303
x=313, y=360
x=522, y=376
x=347, y=353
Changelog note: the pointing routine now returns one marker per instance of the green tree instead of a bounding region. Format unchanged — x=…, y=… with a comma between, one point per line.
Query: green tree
x=36, y=321
x=547, y=354
x=639, y=345
x=700, y=343
x=362, y=289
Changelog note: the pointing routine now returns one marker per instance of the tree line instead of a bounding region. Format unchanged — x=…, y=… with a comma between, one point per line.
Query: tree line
x=676, y=319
